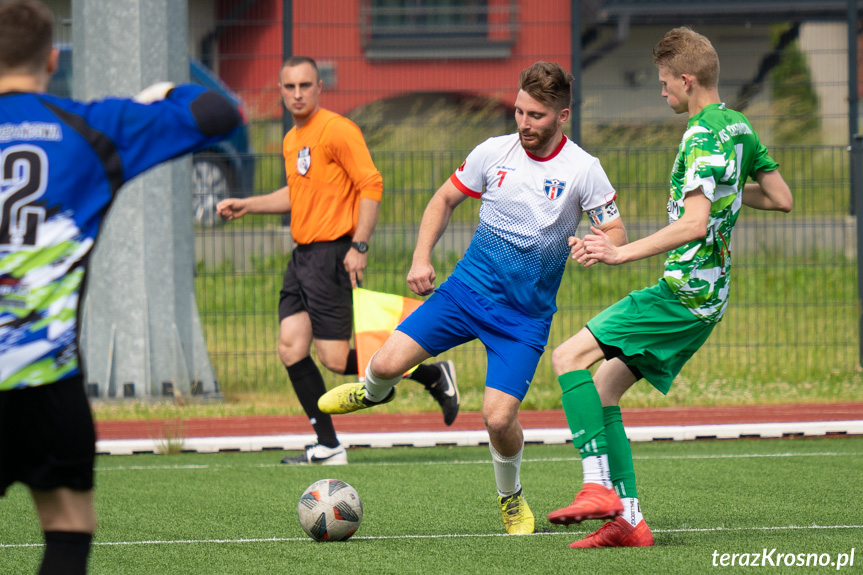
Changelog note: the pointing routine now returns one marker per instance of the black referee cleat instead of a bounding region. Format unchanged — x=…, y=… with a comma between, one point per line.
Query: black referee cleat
x=445, y=391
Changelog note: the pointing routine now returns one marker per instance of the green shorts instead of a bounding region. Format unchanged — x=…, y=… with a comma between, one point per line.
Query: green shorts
x=651, y=331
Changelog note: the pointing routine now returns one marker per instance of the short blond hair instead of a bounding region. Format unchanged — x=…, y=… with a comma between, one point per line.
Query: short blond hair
x=547, y=83
x=684, y=51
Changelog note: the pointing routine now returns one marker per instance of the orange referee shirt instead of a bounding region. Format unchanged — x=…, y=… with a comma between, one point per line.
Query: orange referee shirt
x=328, y=169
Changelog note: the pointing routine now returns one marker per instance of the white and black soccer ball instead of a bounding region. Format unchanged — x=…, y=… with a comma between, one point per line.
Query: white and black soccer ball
x=330, y=510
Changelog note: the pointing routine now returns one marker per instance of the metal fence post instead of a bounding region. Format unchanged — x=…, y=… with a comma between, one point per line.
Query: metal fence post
x=575, y=66
x=287, y=52
x=856, y=147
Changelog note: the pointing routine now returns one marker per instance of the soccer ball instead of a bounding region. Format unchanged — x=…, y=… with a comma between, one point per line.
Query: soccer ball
x=330, y=510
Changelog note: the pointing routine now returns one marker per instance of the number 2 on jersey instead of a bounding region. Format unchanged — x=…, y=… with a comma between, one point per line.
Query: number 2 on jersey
x=23, y=179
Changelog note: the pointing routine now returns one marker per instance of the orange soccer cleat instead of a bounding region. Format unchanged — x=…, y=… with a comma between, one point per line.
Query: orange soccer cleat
x=593, y=502
x=617, y=533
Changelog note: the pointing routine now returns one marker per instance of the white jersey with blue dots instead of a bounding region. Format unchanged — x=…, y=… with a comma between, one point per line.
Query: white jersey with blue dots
x=530, y=206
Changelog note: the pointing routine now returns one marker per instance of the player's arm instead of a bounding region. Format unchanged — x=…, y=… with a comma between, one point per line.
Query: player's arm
x=213, y=113
x=435, y=220
x=769, y=193
x=163, y=122
x=615, y=230
x=355, y=262
x=278, y=202
x=367, y=219
x=692, y=225
x=345, y=144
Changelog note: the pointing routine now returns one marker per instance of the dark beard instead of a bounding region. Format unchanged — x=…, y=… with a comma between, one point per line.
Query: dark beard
x=542, y=140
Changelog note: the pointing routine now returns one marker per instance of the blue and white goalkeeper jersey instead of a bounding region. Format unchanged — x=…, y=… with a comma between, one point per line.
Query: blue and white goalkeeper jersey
x=61, y=164
x=530, y=207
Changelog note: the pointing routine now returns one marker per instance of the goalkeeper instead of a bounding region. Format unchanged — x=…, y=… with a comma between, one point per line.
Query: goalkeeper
x=62, y=163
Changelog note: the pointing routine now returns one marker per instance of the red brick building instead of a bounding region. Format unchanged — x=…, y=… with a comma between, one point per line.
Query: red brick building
x=369, y=50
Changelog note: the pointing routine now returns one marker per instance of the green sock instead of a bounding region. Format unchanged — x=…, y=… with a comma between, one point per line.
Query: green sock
x=583, y=411
x=619, y=453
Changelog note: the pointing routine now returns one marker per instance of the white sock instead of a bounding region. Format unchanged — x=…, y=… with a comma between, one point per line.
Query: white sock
x=506, y=471
x=378, y=389
x=632, y=510
x=596, y=470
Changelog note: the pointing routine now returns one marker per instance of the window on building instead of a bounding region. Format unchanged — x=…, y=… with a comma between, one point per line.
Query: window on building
x=402, y=29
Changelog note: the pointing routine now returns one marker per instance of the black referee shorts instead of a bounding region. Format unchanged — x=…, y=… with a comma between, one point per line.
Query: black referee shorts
x=316, y=282
x=47, y=438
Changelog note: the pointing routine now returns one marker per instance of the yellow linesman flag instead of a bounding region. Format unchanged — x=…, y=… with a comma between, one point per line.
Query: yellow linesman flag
x=376, y=316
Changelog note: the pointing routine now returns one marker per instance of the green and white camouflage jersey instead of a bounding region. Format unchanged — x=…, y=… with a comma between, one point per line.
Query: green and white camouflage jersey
x=718, y=152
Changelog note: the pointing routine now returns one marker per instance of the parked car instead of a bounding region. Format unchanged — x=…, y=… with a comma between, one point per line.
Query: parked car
x=225, y=169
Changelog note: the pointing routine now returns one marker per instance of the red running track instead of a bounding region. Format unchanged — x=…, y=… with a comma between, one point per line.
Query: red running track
x=467, y=421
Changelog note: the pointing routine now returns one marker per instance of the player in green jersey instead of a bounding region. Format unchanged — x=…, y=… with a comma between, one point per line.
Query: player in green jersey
x=652, y=332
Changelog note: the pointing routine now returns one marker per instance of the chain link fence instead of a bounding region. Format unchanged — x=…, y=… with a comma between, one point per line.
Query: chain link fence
x=427, y=80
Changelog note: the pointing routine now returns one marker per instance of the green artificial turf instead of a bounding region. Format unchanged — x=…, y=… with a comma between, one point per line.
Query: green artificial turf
x=433, y=510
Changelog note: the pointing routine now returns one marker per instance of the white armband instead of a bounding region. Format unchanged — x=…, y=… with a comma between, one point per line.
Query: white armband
x=603, y=214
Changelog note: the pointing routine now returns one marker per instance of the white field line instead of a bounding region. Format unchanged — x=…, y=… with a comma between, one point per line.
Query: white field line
x=195, y=467
x=439, y=536
x=480, y=437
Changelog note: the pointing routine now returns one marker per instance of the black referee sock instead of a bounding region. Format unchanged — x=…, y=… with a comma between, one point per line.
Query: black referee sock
x=352, y=367
x=426, y=374
x=65, y=553
x=309, y=387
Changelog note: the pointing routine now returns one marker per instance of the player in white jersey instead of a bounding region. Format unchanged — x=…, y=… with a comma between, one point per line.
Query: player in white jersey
x=530, y=205
x=534, y=186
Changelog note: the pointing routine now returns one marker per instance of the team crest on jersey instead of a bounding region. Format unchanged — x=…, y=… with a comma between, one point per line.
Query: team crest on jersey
x=554, y=188
x=304, y=160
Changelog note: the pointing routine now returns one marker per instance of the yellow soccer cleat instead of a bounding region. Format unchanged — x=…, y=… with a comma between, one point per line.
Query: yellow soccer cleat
x=517, y=516
x=348, y=398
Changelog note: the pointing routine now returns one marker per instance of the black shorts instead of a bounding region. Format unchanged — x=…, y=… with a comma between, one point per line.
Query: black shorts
x=316, y=282
x=47, y=438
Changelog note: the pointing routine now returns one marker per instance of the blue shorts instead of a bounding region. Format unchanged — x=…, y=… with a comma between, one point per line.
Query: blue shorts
x=455, y=314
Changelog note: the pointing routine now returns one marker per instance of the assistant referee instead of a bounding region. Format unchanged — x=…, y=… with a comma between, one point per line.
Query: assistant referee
x=333, y=195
